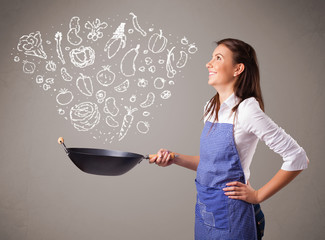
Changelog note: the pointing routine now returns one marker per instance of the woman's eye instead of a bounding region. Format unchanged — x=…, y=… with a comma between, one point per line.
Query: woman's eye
x=218, y=58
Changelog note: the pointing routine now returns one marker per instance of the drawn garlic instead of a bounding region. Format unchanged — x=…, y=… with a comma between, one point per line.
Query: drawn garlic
x=50, y=66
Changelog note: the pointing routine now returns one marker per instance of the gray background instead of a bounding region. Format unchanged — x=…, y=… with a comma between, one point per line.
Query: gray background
x=44, y=196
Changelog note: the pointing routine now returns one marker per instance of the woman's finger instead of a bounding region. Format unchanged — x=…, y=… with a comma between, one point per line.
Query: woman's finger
x=236, y=183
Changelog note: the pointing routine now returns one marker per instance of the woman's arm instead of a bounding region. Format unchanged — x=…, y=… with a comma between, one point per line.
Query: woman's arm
x=238, y=190
x=163, y=159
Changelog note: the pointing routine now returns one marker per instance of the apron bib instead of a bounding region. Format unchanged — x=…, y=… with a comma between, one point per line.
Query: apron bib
x=216, y=215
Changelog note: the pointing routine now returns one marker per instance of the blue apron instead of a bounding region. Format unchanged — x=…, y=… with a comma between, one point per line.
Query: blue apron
x=216, y=215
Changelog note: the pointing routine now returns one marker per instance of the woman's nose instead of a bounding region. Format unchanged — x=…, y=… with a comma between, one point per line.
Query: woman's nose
x=208, y=65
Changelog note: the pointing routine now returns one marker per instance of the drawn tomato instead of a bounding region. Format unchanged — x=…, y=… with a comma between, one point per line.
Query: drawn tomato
x=64, y=97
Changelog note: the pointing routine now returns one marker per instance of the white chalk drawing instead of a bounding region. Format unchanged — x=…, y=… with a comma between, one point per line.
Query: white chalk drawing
x=65, y=75
x=82, y=57
x=148, y=60
x=50, y=66
x=152, y=69
x=95, y=86
x=85, y=85
x=105, y=76
x=157, y=42
x=28, y=67
x=171, y=72
x=159, y=83
x=142, y=83
x=46, y=86
x=39, y=79
x=146, y=114
x=74, y=28
x=116, y=42
x=133, y=98
x=128, y=62
x=143, y=127
x=95, y=29
x=61, y=111
x=165, y=94
x=58, y=40
x=110, y=106
x=182, y=60
x=192, y=48
x=184, y=41
x=127, y=122
x=84, y=116
x=110, y=121
x=64, y=97
x=123, y=86
x=149, y=100
x=136, y=25
x=100, y=96
x=50, y=81
x=31, y=44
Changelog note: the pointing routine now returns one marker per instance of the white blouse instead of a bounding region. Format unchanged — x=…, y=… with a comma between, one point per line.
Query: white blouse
x=252, y=124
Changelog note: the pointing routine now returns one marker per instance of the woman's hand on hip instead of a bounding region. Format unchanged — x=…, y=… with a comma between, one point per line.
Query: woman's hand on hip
x=241, y=191
x=163, y=158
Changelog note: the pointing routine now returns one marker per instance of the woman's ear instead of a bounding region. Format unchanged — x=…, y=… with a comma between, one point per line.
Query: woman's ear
x=240, y=67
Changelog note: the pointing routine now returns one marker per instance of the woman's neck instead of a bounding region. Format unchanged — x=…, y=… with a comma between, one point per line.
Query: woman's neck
x=224, y=94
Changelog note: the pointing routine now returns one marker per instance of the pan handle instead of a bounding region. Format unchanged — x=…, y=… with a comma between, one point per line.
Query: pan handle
x=61, y=141
x=172, y=155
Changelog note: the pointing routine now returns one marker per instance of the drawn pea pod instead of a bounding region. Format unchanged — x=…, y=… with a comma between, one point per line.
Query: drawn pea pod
x=149, y=100
x=182, y=60
x=128, y=62
x=111, y=122
x=65, y=75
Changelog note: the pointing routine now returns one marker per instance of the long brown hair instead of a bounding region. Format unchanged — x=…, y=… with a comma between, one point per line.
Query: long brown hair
x=248, y=82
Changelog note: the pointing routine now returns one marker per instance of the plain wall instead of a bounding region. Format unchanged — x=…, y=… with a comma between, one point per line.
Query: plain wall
x=44, y=196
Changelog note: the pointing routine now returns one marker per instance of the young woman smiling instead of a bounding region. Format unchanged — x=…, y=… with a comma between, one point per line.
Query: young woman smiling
x=234, y=123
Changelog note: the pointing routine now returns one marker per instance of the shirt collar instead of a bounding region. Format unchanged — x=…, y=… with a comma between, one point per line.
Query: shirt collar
x=230, y=102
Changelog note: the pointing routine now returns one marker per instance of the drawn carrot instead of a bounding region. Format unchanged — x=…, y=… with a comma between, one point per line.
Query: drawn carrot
x=127, y=122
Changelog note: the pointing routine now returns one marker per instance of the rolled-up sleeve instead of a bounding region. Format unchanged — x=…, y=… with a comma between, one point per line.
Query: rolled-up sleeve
x=255, y=121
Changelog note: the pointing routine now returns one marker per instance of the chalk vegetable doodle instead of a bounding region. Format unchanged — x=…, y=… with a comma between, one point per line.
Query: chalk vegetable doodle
x=95, y=68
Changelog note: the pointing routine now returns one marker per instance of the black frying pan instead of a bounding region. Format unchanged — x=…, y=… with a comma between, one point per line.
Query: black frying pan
x=104, y=162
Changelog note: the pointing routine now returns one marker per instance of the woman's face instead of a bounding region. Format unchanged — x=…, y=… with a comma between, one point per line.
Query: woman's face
x=221, y=67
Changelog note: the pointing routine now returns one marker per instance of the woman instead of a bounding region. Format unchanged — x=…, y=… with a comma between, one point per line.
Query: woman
x=234, y=122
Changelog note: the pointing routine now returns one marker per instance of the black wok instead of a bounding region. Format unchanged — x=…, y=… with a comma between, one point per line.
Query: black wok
x=104, y=162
